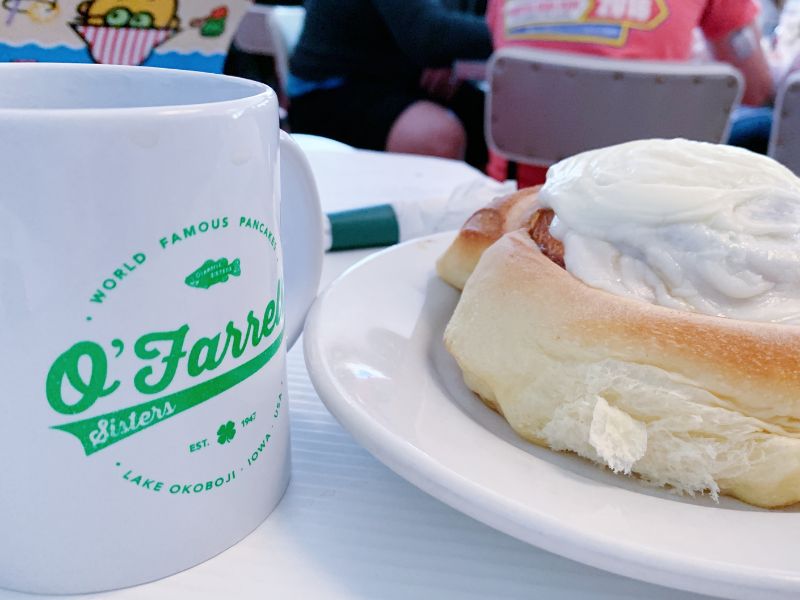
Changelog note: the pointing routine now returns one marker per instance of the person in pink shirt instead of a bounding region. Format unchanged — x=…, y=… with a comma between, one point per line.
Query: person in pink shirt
x=633, y=29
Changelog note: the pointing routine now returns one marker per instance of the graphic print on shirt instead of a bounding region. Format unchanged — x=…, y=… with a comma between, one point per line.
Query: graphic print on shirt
x=589, y=21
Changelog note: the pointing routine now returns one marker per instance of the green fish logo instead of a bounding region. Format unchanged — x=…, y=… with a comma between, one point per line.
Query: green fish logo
x=213, y=272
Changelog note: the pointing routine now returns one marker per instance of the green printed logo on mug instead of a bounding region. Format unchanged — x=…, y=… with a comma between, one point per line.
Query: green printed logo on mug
x=162, y=354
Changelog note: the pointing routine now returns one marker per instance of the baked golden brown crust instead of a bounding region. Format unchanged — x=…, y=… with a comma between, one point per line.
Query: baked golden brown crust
x=483, y=229
x=711, y=403
x=755, y=366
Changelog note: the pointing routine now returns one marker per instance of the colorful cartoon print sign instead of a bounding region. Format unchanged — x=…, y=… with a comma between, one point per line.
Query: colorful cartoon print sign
x=189, y=34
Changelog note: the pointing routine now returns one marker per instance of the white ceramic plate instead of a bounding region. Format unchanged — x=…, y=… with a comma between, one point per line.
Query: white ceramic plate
x=374, y=352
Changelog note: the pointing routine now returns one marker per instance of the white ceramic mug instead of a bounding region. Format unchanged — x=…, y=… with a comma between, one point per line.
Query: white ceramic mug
x=143, y=417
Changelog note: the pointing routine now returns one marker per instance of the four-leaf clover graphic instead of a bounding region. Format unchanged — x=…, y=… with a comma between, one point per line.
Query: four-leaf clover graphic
x=226, y=432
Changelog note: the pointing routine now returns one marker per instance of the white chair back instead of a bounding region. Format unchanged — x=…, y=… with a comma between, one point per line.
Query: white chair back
x=544, y=106
x=290, y=21
x=784, y=139
x=272, y=31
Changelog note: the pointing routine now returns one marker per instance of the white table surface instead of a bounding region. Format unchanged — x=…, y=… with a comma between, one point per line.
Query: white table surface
x=348, y=527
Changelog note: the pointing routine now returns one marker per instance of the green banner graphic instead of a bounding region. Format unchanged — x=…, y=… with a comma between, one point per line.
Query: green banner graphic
x=98, y=433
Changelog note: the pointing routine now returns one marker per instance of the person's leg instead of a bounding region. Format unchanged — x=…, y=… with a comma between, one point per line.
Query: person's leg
x=468, y=105
x=325, y=113
x=526, y=175
x=380, y=115
x=497, y=167
x=426, y=127
x=750, y=128
x=530, y=175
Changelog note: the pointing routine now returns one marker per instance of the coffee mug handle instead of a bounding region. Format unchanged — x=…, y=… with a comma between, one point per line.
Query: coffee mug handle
x=301, y=235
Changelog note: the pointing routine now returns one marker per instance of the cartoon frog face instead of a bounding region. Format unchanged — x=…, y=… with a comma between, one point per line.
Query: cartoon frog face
x=140, y=14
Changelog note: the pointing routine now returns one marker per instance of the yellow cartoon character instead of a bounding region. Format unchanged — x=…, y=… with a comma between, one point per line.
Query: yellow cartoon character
x=40, y=11
x=125, y=32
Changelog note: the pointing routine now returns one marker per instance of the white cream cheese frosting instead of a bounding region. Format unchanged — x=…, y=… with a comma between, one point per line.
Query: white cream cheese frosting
x=688, y=225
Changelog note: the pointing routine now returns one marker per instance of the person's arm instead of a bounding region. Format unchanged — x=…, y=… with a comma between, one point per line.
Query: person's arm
x=494, y=15
x=730, y=28
x=432, y=35
x=742, y=49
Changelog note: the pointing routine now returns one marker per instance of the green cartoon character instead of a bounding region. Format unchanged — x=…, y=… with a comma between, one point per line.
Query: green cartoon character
x=212, y=25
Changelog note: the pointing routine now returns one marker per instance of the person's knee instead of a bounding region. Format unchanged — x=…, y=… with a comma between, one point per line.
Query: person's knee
x=428, y=128
x=447, y=138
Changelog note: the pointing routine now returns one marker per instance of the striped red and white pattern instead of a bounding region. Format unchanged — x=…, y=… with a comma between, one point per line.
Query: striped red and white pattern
x=122, y=45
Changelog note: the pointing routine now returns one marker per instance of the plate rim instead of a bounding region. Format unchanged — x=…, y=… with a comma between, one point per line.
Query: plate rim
x=665, y=568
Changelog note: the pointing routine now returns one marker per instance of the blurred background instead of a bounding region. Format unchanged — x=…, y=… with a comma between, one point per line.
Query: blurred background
x=508, y=86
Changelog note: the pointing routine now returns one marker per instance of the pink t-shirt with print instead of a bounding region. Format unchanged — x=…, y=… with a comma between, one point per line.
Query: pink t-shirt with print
x=643, y=29
x=648, y=29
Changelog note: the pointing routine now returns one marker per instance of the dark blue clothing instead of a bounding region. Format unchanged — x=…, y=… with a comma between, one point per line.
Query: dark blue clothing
x=750, y=128
x=385, y=39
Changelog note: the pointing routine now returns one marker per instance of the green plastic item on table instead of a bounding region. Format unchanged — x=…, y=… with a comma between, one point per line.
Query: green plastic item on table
x=364, y=227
